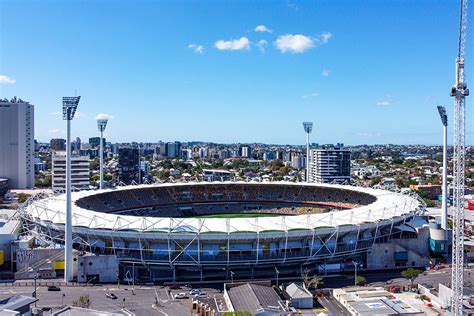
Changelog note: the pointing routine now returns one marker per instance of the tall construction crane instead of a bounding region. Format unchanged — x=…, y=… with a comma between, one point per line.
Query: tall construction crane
x=459, y=91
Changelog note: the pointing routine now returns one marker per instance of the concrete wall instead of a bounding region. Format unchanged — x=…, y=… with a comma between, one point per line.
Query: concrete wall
x=37, y=259
x=104, y=267
x=382, y=256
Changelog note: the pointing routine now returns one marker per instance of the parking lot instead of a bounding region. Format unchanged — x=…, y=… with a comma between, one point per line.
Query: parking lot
x=139, y=300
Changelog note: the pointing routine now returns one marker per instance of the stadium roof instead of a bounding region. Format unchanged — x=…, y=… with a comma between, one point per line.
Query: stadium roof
x=387, y=205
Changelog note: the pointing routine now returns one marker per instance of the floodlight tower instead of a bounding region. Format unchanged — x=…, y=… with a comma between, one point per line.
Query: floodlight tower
x=101, y=124
x=308, y=127
x=459, y=91
x=69, y=109
x=444, y=207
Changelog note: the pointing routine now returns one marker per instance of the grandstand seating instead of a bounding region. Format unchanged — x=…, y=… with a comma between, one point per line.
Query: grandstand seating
x=209, y=199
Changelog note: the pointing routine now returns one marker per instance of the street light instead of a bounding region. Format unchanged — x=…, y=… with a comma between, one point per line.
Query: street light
x=101, y=124
x=34, y=278
x=69, y=109
x=355, y=272
x=277, y=273
x=87, y=285
x=308, y=127
x=444, y=204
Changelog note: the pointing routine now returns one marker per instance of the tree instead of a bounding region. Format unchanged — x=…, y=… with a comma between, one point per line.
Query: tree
x=310, y=281
x=22, y=197
x=360, y=280
x=83, y=302
x=411, y=274
x=375, y=180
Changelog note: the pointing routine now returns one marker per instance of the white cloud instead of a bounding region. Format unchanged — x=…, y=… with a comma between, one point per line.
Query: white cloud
x=263, y=29
x=294, y=43
x=198, y=49
x=80, y=114
x=325, y=73
x=367, y=134
x=325, y=37
x=385, y=101
x=103, y=116
x=240, y=44
x=292, y=5
x=6, y=79
x=56, y=131
x=261, y=45
x=311, y=95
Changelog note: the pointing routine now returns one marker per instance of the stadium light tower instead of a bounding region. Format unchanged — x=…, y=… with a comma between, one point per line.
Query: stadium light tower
x=101, y=124
x=459, y=91
x=69, y=109
x=308, y=127
x=444, y=204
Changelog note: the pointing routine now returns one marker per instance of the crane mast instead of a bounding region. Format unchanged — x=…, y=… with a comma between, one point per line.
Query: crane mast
x=459, y=91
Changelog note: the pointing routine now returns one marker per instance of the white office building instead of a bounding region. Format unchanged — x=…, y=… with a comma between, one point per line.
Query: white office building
x=211, y=175
x=298, y=161
x=329, y=164
x=17, y=143
x=80, y=171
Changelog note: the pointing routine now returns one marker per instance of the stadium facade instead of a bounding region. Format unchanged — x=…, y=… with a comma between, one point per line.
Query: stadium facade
x=207, y=231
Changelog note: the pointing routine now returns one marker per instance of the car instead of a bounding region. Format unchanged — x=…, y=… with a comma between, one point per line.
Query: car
x=54, y=288
x=201, y=294
x=111, y=296
x=174, y=287
x=181, y=295
x=195, y=291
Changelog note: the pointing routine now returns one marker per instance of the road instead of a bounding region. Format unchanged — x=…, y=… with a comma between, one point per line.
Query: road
x=140, y=301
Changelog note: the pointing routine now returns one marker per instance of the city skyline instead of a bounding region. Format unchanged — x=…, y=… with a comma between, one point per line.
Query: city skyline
x=184, y=71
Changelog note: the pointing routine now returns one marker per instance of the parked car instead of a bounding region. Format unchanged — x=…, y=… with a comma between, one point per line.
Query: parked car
x=174, y=287
x=111, y=296
x=195, y=291
x=201, y=294
x=54, y=288
x=180, y=295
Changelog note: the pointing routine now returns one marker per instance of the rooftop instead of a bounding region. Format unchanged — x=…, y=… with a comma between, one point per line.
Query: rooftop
x=14, y=303
x=254, y=298
x=373, y=301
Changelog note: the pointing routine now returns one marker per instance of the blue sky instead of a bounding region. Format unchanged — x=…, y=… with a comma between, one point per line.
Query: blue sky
x=364, y=71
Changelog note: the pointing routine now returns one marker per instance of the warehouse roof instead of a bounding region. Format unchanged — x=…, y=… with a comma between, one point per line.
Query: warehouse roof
x=254, y=298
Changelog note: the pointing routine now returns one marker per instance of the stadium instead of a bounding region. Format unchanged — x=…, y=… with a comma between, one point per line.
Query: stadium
x=212, y=231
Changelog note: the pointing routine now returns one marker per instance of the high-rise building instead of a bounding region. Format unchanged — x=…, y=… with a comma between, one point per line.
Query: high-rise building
x=298, y=161
x=245, y=151
x=77, y=144
x=203, y=152
x=95, y=142
x=280, y=155
x=330, y=163
x=173, y=149
x=163, y=151
x=128, y=165
x=80, y=171
x=58, y=144
x=17, y=135
x=268, y=156
x=224, y=154
x=186, y=154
